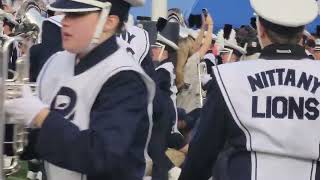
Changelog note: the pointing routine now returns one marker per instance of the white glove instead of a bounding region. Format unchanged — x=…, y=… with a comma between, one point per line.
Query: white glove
x=205, y=78
x=174, y=173
x=24, y=110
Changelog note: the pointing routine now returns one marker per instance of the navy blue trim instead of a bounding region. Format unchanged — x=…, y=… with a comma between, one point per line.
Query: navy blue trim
x=234, y=108
x=55, y=20
x=120, y=68
x=68, y=4
x=312, y=167
x=278, y=52
x=315, y=163
x=146, y=47
x=256, y=168
x=51, y=19
x=98, y=54
x=238, y=117
x=119, y=7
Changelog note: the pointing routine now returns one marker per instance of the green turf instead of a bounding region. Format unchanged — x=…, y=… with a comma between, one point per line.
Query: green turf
x=21, y=174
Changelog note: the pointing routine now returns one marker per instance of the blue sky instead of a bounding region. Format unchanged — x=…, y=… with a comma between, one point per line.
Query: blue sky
x=236, y=12
x=146, y=10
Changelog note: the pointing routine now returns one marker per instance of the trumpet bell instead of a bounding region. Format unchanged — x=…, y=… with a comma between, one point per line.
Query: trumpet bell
x=31, y=15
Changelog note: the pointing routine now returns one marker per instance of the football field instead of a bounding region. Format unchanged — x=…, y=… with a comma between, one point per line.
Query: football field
x=20, y=175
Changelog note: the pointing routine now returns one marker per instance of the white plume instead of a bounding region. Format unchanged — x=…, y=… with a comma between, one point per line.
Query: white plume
x=231, y=41
x=232, y=38
x=220, y=40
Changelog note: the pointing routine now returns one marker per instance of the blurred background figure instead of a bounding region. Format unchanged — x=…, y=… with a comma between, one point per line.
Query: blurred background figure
x=308, y=42
x=232, y=51
x=317, y=49
x=192, y=50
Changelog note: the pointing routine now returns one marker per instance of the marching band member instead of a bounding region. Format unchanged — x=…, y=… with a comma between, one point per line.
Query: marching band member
x=95, y=102
x=7, y=30
x=317, y=50
x=189, y=56
x=164, y=55
x=136, y=42
x=232, y=51
x=263, y=119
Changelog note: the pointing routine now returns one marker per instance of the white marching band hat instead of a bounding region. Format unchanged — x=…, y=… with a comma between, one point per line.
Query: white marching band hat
x=107, y=7
x=91, y=5
x=229, y=42
x=232, y=43
x=289, y=13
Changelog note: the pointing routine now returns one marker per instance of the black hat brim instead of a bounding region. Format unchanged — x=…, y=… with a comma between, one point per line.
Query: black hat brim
x=71, y=6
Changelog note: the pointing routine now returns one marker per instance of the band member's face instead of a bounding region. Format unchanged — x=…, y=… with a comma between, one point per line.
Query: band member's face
x=78, y=30
x=317, y=55
x=158, y=54
x=225, y=58
x=156, y=51
x=6, y=30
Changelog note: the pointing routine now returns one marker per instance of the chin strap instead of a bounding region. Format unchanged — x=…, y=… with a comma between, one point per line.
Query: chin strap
x=258, y=31
x=99, y=28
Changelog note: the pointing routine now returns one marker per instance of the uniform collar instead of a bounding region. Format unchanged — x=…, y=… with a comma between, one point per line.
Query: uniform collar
x=283, y=51
x=98, y=54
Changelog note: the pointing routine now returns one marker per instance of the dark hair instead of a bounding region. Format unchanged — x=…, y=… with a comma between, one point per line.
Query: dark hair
x=121, y=9
x=172, y=55
x=120, y=27
x=318, y=31
x=279, y=34
x=50, y=13
x=253, y=21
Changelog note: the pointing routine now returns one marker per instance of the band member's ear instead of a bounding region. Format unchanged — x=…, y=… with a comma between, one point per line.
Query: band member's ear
x=112, y=23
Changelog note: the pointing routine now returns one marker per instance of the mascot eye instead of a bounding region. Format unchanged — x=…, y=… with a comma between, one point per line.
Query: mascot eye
x=62, y=102
x=62, y=106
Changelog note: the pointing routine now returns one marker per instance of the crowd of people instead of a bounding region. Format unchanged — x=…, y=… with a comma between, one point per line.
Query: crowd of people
x=120, y=98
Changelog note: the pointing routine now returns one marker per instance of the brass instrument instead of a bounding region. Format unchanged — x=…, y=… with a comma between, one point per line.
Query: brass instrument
x=202, y=70
x=11, y=89
x=29, y=15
